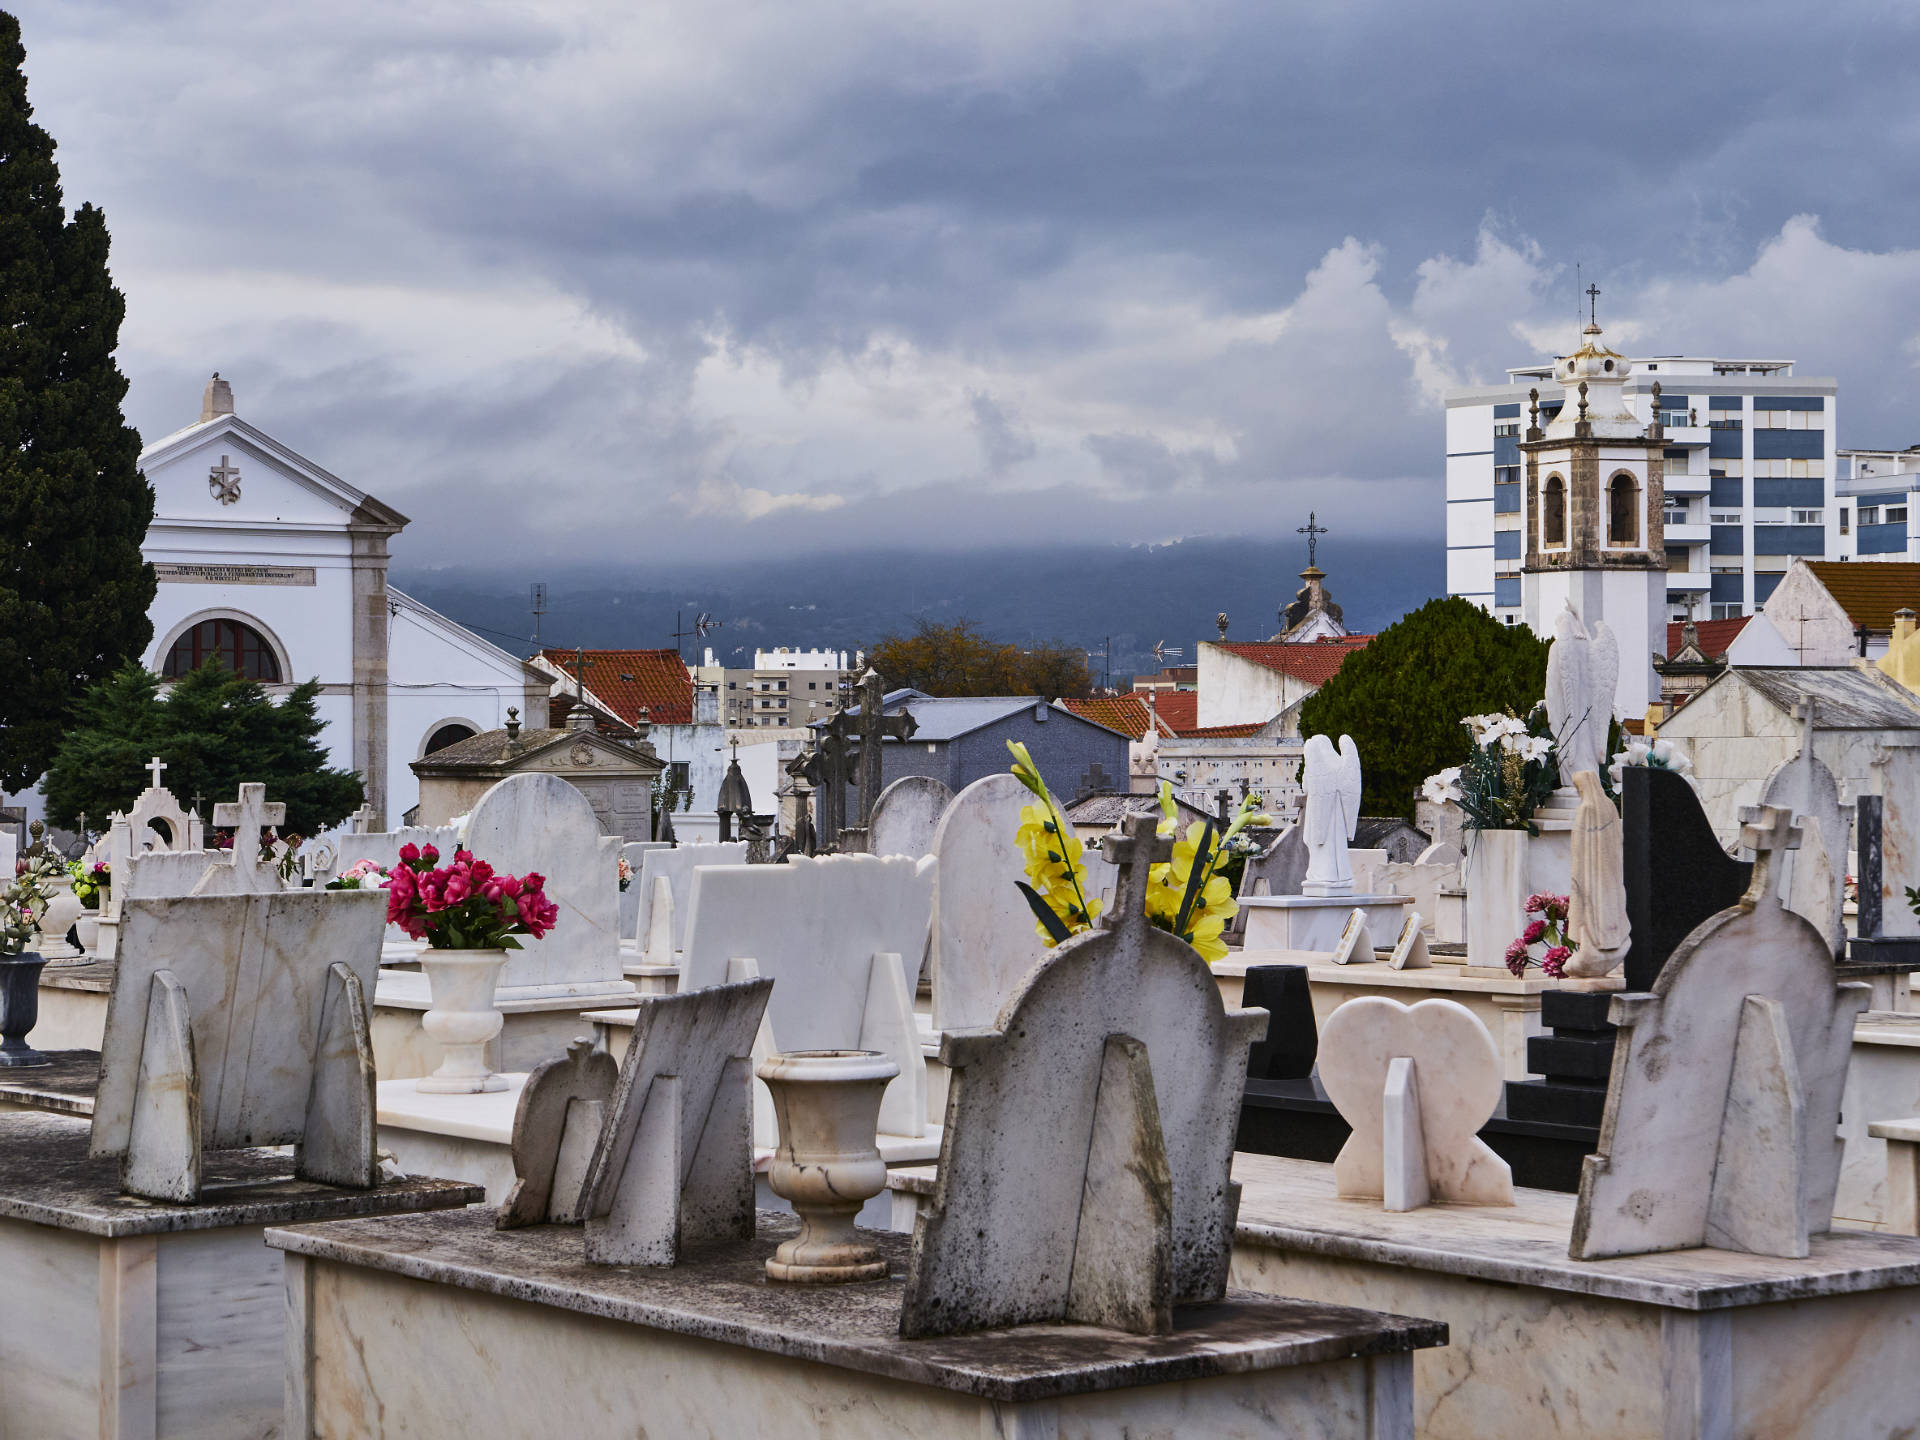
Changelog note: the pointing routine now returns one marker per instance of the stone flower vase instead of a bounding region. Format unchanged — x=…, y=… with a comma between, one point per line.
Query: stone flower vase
x=87, y=927
x=19, y=1009
x=828, y=1164
x=1496, y=881
x=62, y=913
x=462, y=1019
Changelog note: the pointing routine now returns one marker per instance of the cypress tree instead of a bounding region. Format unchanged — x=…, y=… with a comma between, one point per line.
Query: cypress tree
x=1403, y=697
x=74, y=507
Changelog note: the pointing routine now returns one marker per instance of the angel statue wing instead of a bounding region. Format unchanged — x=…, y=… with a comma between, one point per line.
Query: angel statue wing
x=1347, y=783
x=1567, y=687
x=1603, y=674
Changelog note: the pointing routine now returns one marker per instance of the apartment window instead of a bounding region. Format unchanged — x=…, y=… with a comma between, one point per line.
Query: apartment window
x=813, y=685
x=1506, y=474
x=1725, y=517
x=1674, y=417
x=1677, y=516
x=1724, y=420
x=780, y=685
x=1809, y=517
x=1843, y=521
x=1507, y=430
x=730, y=684
x=1726, y=612
x=1869, y=514
x=1896, y=515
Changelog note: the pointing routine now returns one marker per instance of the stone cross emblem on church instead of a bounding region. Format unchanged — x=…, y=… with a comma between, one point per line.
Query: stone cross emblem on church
x=223, y=482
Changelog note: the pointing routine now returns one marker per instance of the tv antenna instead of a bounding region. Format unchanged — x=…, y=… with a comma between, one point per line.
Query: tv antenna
x=539, y=609
x=1105, y=656
x=703, y=624
x=1162, y=650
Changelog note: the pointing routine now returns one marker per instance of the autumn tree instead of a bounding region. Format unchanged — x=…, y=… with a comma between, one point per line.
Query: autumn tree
x=956, y=659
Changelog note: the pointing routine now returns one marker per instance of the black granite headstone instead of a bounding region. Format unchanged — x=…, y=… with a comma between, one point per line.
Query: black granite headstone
x=1292, y=1040
x=1677, y=874
x=1576, y=1059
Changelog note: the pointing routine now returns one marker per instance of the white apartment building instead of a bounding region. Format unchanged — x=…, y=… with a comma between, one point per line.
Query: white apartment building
x=1749, y=477
x=1881, y=488
x=787, y=689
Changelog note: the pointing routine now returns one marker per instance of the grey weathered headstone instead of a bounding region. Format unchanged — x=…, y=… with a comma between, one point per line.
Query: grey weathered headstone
x=1812, y=878
x=238, y=1021
x=1725, y=1094
x=1084, y=1167
x=984, y=937
x=904, y=820
x=1280, y=869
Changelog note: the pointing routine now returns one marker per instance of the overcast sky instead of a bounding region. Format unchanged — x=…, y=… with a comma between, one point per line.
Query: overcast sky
x=617, y=280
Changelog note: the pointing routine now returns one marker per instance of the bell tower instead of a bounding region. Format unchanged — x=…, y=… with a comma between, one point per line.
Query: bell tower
x=1595, y=508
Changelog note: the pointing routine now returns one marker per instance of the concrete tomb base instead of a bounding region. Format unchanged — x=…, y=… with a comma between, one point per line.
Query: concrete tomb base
x=125, y=1318
x=467, y=1331
x=73, y=1006
x=1688, y=1343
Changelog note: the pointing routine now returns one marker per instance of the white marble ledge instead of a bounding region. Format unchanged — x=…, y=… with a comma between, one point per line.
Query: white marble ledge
x=1291, y=1205
x=1236, y=964
x=410, y=990
x=723, y=1296
x=1906, y=1130
x=94, y=975
x=1442, y=978
x=1319, y=902
x=1886, y=1027
x=487, y=1116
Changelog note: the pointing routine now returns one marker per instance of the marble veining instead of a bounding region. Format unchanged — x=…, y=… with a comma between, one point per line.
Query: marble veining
x=723, y=1295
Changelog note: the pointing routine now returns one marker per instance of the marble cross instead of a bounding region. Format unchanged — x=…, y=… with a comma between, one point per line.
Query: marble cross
x=249, y=816
x=1766, y=830
x=223, y=482
x=361, y=819
x=154, y=767
x=1134, y=853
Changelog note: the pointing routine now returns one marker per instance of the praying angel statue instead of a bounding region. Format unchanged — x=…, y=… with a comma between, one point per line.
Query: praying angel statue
x=1583, y=674
x=1333, y=806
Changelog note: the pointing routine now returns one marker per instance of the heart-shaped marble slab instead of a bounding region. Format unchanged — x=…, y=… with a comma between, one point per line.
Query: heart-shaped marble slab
x=1457, y=1067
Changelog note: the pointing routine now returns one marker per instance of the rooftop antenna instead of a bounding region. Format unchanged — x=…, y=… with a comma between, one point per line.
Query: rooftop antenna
x=702, y=624
x=1162, y=650
x=539, y=609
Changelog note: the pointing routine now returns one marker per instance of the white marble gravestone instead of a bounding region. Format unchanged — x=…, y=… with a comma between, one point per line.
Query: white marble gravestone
x=1415, y=1130
x=842, y=937
x=238, y=1021
x=634, y=853
x=1722, y=1109
x=244, y=871
x=158, y=822
x=905, y=816
x=676, y=866
x=1084, y=1167
x=984, y=936
x=1813, y=878
x=659, y=1157
x=543, y=824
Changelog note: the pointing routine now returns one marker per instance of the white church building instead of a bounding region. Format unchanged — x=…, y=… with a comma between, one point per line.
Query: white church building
x=280, y=568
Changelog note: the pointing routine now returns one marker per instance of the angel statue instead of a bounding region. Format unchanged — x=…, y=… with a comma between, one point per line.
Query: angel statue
x=1597, y=906
x=1333, y=805
x=1583, y=675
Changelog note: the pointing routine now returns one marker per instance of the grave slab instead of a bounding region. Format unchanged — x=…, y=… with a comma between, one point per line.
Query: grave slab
x=535, y=1028
x=467, y=1330
x=1314, y=922
x=127, y=1318
x=1687, y=1343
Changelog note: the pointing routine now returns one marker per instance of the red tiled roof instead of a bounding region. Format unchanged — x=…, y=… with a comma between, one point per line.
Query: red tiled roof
x=1222, y=732
x=1870, y=591
x=1179, y=710
x=1715, y=635
x=626, y=680
x=1125, y=713
x=1313, y=664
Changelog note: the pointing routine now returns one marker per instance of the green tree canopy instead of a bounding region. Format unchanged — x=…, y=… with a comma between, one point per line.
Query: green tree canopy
x=957, y=659
x=215, y=730
x=1403, y=697
x=74, y=507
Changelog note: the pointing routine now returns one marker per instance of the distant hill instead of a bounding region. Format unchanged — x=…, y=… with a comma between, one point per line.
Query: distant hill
x=1138, y=595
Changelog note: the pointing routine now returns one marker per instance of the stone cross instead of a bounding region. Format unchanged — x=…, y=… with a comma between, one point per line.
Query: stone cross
x=1223, y=806
x=223, y=480
x=360, y=820
x=1132, y=853
x=876, y=726
x=1765, y=829
x=1096, y=779
x=1313, y=532
x=154, y=767
x=249, y=816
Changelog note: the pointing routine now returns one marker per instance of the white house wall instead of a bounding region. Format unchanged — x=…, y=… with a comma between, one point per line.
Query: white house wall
x=1234, y=691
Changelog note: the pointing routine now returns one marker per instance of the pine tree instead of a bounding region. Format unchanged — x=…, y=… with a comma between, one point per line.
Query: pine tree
x=1403, y=697
x=74, y=507
x=216, y=731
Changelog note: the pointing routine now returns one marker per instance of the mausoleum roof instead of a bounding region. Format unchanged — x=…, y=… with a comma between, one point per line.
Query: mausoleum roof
x=1844, y=698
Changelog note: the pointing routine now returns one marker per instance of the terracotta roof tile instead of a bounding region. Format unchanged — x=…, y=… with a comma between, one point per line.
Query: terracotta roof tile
x=1179, y=710
x=1715, y=635
x=1313, y=664
x=626, y=680
x=1222, y=732
x=1124, y=713
x=1870, y=590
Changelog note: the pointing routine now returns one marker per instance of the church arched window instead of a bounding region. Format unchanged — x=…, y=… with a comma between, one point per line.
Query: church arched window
x=1623, y=510
x=451, y=733
x=1553, y=512
x=242, y=648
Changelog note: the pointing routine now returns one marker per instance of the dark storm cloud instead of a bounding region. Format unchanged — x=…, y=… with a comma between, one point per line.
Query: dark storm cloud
x=639, y=275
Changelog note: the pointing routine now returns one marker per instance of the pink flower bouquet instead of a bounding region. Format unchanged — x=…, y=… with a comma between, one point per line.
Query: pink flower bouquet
x=1550, y=930
x=466, y=905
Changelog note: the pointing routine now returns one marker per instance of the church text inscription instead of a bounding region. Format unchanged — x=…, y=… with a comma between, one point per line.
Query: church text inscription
x=233, y=574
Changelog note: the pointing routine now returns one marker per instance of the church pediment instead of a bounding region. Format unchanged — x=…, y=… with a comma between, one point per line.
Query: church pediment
x=227, y=472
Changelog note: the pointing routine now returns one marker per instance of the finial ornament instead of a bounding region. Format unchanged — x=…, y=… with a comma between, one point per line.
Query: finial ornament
x=1583, y=400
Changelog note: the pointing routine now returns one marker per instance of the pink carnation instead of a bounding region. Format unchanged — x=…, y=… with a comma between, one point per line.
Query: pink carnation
x=1536, y=903
x=1554, y=963
x=1535, y=929
x=1517, y=957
